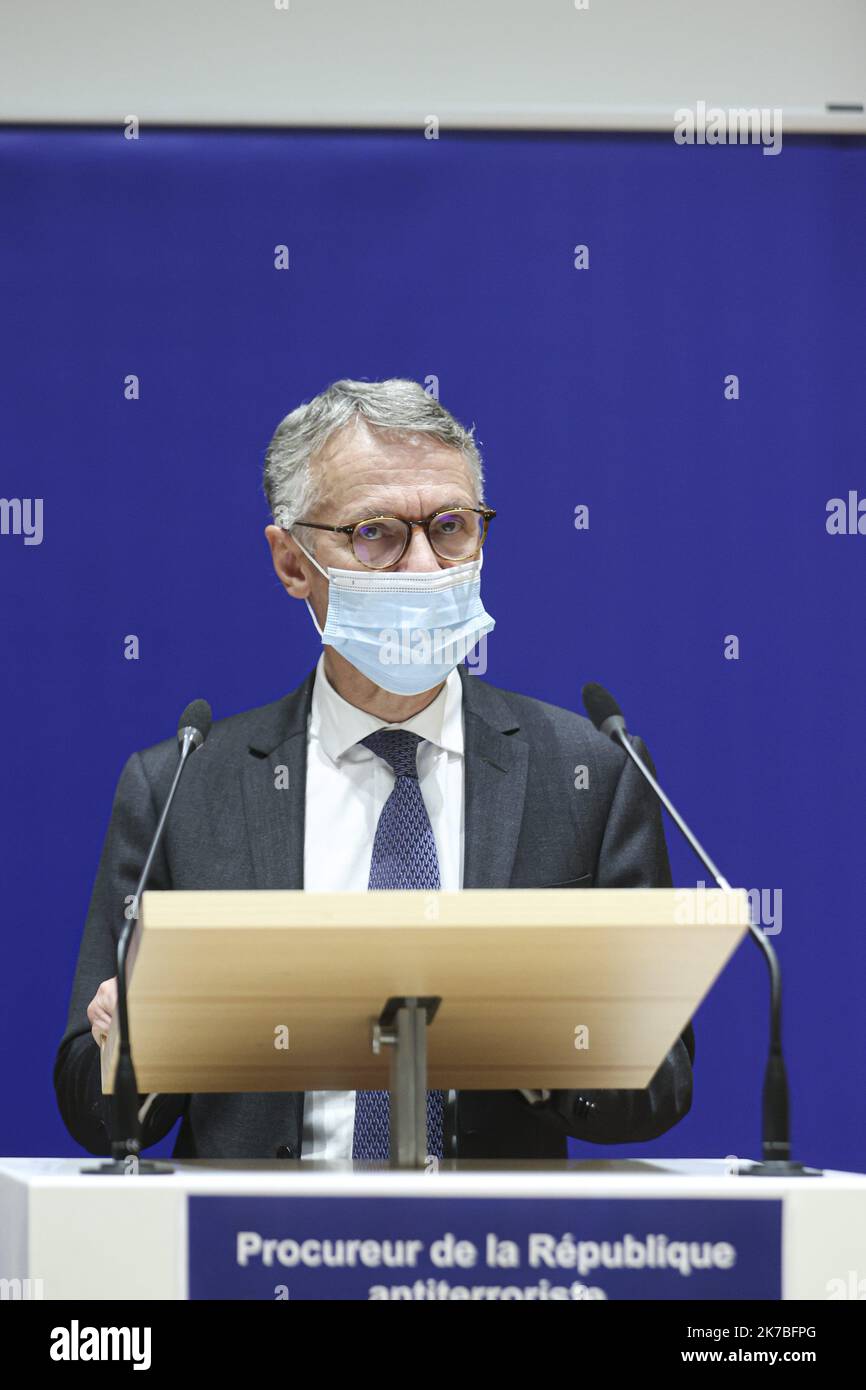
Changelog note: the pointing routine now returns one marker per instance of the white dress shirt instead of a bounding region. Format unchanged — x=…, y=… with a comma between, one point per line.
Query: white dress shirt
x=347, y=787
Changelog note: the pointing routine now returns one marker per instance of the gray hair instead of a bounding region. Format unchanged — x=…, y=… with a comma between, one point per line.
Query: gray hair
x=395, y=406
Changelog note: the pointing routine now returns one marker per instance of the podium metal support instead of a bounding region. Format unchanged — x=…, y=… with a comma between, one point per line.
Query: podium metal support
x=402, y=1026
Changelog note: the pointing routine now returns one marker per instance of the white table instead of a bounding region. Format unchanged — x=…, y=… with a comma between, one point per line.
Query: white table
x=106, y=1237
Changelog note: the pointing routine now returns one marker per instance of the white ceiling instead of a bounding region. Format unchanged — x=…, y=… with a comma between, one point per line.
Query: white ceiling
x=484, y=63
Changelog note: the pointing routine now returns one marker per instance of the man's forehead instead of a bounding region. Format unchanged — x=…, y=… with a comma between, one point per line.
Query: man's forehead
x=378, y=472
x=356, y=447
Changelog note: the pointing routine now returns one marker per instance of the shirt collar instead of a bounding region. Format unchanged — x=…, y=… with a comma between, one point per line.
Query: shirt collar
x=339, y=725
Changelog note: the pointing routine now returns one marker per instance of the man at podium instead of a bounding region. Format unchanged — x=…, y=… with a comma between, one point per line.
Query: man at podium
x=416, y=773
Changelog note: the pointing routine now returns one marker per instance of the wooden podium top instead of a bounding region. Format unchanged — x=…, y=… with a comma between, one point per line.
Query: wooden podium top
x=554, y=988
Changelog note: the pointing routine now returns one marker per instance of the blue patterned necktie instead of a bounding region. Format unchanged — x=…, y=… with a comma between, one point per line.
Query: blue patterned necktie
x=404, y=856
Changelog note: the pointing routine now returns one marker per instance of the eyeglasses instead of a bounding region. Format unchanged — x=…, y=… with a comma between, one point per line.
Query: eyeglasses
x=380, y=541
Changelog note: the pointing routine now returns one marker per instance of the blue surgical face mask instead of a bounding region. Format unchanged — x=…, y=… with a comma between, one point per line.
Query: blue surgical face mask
x=404, y=630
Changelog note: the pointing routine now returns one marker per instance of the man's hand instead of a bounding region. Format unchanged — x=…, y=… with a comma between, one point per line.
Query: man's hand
x=101, y=1008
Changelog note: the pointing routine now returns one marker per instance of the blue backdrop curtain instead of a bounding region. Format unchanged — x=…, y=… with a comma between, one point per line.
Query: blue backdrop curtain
x=604, y=387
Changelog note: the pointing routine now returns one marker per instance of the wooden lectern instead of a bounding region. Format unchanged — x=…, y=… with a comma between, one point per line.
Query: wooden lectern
x=524, y=988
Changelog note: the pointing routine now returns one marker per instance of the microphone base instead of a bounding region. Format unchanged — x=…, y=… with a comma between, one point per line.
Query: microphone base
x=778, y=1168
x=116, y=1167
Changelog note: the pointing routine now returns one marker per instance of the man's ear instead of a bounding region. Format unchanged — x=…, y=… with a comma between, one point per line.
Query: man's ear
x=289, y=563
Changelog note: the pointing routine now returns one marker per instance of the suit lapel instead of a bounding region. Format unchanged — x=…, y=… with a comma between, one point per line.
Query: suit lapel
x=274, y=791
x=495, y=771
x=273, y=786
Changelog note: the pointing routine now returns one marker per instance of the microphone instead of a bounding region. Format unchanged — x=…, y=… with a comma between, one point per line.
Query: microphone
x=194, y=724
x=609, y=719
x=192, y=730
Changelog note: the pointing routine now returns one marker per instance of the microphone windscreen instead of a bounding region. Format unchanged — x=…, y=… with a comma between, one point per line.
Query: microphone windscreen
x=599, y=703
x=197, y=715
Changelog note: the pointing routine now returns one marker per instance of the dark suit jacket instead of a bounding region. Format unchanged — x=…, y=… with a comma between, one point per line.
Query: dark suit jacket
x=525, y=826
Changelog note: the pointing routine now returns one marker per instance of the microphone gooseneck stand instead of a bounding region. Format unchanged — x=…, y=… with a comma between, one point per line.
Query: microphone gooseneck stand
x=125, y=1122
x=608, y=718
